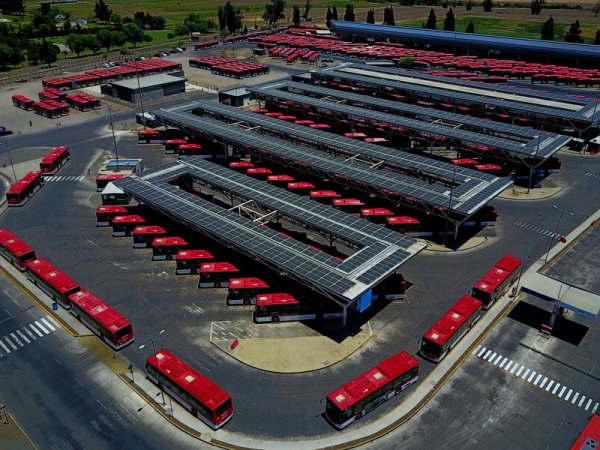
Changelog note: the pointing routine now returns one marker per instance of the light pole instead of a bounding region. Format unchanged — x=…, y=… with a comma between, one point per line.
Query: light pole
x=151, y=341
x=12, y=166
x=137, y=74
x=449, y=205
x=562, y=211
x=537, y=149
x=112, y=127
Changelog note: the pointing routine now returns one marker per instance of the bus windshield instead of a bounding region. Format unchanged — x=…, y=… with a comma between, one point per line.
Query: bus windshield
x=123, y=332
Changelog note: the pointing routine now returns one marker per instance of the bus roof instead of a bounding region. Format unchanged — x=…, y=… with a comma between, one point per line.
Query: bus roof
x=20, y=185
x=189, y=146
x=488, y=167
x=194, y=254
x=369, y=382
x=491, y=280
x=590, y=436
x=17, y=247
x=347, y=202
x=112, y=209
x=300, y=185
x=107, y=316
x=258, y=171
x=278, y=298
x=175, y=141
x=452, y=320
x=280, y=178
x=131, y=218
x=402, y=220
x=166, y=241
x=40, y=266
x=323, y=194
x=59, y=280
x=218, y=267
x=149, y=229
x=242, y=164
x=247, y=283
x=464, y=161
x=55, y=154
x=509, y=263
x=148, y=133
x=368, y=212
x=200, y=387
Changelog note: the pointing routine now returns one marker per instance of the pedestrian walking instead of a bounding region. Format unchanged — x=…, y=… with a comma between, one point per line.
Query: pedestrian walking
x=30, y=124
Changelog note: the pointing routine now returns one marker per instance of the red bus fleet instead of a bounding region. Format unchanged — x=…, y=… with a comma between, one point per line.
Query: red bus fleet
x=106, y=323
x=450, y=329
x=164, y=248
x=15, y=250
x=282, y=307
x=243, y=291
x=124, y=225
x=21, y=191
x=52, y=162
x=199, y=395
x=366, y=392
x=144, y=235
x=190, y=261
x=496, y=282
x=56, y=284
x=216, y=274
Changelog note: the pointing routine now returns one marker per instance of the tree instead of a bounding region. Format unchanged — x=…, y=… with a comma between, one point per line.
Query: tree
x=76, y=43
x=296, y=15
x=470, y=27
x=13, y=6
x=92, y=42
x=102, y=11
x=596, y=9
x=116, y=20
x=488, y=5
x=307, y=8
x=45, y=8
x=118, y=38
x=371, y=16
x=469, y=5
x=274, y=11
x=536, y=7
x=547, y=33
x=449, y=20
x=105, y=37
x=388, y=16
x=6, y=52
x=133, y=33
x=328, y=17
x=229, y=17
x=334, y=13
x=574, y=33
x=139, y=18
x=67, y=27
x=349, y=15
x=431, y=20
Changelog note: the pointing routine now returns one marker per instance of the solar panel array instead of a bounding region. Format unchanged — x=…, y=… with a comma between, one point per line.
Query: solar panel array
x=535, y=110
x=469, y=196
x=381, y=251
x=543, y=150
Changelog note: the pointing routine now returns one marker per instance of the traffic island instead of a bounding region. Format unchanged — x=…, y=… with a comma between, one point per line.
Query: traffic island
x=522, y=193
x=284, y=347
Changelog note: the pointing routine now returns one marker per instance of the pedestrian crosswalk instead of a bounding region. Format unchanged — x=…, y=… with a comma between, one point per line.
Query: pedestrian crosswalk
x=538, y=380
x=593, y=175
x=55, y=178
x=536, y=229
x=27, y=334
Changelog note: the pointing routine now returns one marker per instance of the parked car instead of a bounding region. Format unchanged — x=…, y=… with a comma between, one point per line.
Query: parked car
x=4, y=131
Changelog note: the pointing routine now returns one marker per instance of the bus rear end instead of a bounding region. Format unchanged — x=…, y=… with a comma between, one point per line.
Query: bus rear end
x=166, y=248
x=376, y=215
x=190, y=261
x=123, y=226
x=143, y=236
x=105, y=214
x=216, y=275
x=243, y=291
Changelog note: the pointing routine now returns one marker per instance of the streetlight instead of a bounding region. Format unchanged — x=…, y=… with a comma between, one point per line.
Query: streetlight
x=532, y=167
x=137, y=74
x=12, y=166
x=151, y=341
x=556, y=229
x=449, y=205
x=112, y=127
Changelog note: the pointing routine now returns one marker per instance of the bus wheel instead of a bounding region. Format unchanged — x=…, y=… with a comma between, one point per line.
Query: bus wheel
x=275, y=319
x=246, y=301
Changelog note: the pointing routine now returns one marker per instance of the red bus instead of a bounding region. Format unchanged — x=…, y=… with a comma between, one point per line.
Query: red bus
x=323, y=196
x=216, y=274
x=492, y=169
x=369, y=390
x=496, y=282
x=56, y=284
x=143, y=236
x=172, y=145
x=260, y=173
x=164, y=248
x=103, y=179
x=15, y=250
x=46, y=110
x=52, y=162
x=407, y=225
x=282, y=307
x=190, y=261
x=243, y=291
x=450, y=329
x=190, y=150
x=199, y=395
x=21, y=191
x=279, y=179
x=465, y=162
x=150, y=137
x=124, y=225
x=240, y=166
x=106, y=323
x=105, y=214
x=348, y=205
x=589, y=438
x=23, y=102
x=300, y=187
x=376, y=215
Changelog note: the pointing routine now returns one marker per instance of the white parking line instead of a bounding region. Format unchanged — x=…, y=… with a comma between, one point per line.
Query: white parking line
x=42, y=327
x=43, y=319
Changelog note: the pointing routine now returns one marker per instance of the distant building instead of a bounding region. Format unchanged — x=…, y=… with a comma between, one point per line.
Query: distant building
x=149, y=88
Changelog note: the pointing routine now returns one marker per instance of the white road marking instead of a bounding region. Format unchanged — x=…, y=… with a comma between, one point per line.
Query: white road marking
x=52, y=321
x=543, y=382
x=574, y=397
x=4, y=347
x=20, y=333
x=555, y=388
x=481, y=352
x=48, y=324
x=503, y=362
x=12, y=335
x=491, y=357
x=526, y=373
x=489, y=352
x=514, y=369
x=497, y=359
x=595, y=408
x=42, y=327
x=14, y=347
x=530, y=377
x=589, y=403
x=35, y=329
x=583, y=397
x=520, y=370
x=29, y=333
x=549, y=385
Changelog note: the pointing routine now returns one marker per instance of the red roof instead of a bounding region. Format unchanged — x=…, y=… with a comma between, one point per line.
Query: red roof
x=40, y=266
x=259, y=171
x=452, y=320
x=111, y=210
x=104, y=314
x=241, y=164
x=464, y=161
x=376, y=212
x=193, y=254
x=590, y=434
x=14, y=245
x=321, y=194
x=402, y=220
x=488, y=167
x=175, y=141
x=278, y=298
x=149, y=229
x=24, y=182
x=491, y=280
x=247, y=283
x=274, y=178
x=300, y=185
x=347, y=202
x=167, y=241
x=132, y=218
x=218, y=267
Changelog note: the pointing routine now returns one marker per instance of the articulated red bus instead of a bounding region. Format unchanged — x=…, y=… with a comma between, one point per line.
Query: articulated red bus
x=496, y=282
x=21, y=191
x=106, y=323
x=243, y=291
x=172, y=145
x=56, y=284
x=190, y=261
x=199, y=395
x=376, y=215
x=366, y=392
x=103, y=179
x=52, y=162
x=124, y=225
x=105, y=214
x=589, y=438
x=144, y=235
x=216, y=274
x=282, y=307
x=164, y=248
x=15, y=250
x=450, y=329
